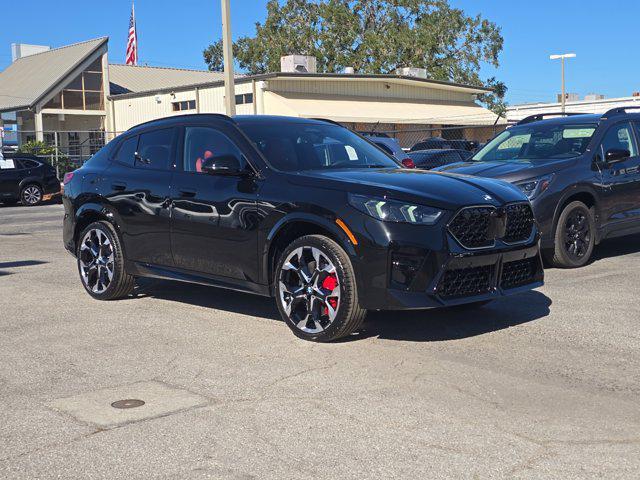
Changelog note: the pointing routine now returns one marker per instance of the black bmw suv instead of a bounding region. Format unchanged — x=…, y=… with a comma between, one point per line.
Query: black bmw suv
x=302, y=210
x=27, y=179
x=580, y=171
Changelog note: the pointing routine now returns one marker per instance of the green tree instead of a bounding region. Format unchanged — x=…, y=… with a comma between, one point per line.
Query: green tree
x=374, y=36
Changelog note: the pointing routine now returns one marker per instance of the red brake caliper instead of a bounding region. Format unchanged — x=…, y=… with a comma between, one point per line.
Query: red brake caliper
x=330, y=282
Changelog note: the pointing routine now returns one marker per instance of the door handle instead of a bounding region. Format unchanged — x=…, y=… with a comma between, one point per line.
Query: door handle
x=187, y=193
x=119, y=186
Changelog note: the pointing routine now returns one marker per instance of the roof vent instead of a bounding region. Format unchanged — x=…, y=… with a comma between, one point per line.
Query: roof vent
x=298, y=63
x=19, y=50
x=412, y=72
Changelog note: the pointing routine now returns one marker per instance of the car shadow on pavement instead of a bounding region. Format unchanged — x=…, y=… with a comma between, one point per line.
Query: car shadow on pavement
x=18, y=264
x=616, y=247
x=419, y=326
x=455, y=323
x=210, y=297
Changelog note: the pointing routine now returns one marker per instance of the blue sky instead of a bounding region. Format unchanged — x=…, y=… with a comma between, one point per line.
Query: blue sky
x=602, y=34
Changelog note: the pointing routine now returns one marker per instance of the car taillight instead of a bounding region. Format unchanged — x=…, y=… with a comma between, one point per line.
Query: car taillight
x=67, y=178
x=408, y=163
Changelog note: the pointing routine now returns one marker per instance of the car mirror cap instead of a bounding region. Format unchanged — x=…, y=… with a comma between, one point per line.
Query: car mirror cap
x=222, y=165
x=616, y=155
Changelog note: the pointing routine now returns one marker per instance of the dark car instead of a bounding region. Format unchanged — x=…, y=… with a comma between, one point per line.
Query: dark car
x=428, y=159
x=28, y=180
x=438, y=143
x=581, y=173
x=389, y=145
x=303, y=210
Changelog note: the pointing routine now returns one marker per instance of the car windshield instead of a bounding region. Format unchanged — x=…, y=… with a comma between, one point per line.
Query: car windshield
x=294, y=147
x=538, y=142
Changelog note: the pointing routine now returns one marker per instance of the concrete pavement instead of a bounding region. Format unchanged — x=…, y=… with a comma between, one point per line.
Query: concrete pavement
x=543, y=385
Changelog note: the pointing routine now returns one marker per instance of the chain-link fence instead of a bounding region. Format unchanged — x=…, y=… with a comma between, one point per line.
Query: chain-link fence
x=65, y=150
x=463, y=137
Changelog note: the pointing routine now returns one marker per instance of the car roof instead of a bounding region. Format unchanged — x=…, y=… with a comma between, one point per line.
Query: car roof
x=277, y=119
x=238, y=119
x=568, y=120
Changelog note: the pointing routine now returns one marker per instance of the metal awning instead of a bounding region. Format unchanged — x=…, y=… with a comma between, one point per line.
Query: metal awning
x=370, y=109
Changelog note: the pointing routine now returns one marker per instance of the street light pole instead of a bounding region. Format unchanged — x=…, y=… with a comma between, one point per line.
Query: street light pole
x=227, y=56
x=562, y=57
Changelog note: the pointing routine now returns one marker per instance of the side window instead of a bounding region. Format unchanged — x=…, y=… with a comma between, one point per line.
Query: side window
x=154, y=149
x=29, y=163
x=126, y=152
x=202, y=143
x=618, y=137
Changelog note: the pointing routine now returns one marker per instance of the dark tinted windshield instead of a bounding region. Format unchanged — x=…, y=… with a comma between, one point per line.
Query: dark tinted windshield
x=294, y=147
x=544, y=141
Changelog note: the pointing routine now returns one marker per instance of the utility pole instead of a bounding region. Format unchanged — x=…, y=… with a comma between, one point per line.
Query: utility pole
x=227, y=56
x=562, y=57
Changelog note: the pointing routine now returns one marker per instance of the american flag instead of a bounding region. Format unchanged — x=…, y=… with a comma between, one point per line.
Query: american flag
x=132, y=43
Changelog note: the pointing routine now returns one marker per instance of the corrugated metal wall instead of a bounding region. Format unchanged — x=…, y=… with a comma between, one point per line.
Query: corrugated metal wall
x=134, y=110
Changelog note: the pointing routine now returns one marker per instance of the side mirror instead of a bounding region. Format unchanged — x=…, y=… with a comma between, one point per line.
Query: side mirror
x=222, y=165
x=616, y=155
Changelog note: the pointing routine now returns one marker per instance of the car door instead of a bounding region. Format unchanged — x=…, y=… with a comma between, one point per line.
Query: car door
x=9, y=178
x=214, y=217
x=621, y=178
x=138, y=184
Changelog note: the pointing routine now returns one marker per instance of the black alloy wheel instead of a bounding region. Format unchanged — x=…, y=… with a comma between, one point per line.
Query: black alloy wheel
x=575, y=236
x=316, y=290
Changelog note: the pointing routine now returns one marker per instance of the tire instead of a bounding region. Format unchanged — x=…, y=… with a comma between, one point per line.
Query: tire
x=31, y=195
x=316, y=290
x=575, y=236
x=101, y=263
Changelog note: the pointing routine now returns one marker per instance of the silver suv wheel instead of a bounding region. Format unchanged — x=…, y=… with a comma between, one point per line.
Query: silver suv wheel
x=96, y=261
x=309, y=291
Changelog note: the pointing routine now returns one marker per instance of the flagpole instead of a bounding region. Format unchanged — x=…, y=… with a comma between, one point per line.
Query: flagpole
x=227, y=55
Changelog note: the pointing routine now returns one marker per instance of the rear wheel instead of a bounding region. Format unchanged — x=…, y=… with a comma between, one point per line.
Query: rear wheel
x=575, y=236
x=31, y=195
x=316, y=290
x=101, y=263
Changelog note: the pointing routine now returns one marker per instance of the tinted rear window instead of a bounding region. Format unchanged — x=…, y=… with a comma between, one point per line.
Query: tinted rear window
x=155, y=148
x=126, y=152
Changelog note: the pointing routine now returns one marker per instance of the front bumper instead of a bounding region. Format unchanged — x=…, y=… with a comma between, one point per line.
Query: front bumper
x=404, y=267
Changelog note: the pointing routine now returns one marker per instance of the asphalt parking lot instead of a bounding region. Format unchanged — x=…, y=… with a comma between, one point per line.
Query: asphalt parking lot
x=543, y=385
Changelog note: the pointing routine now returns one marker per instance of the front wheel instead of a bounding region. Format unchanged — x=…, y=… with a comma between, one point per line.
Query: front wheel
x=316, y=290
x=575, y=236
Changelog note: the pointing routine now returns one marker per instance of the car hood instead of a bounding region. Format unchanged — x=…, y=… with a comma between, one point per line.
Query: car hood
x=442, y=190
x=509, y=171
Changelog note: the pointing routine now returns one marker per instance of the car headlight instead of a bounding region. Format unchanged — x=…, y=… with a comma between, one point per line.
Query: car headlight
x=533, y=188
x=395, y=211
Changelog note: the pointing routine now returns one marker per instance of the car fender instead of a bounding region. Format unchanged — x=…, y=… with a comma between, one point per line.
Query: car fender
x=99, y=210
x=310, y=218
x=570, y=192
x=29, y=180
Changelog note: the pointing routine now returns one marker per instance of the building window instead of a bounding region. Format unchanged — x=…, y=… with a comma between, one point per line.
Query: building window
x=83, y=92
x=243, y=98
x=184, y=105
x=96, y=141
